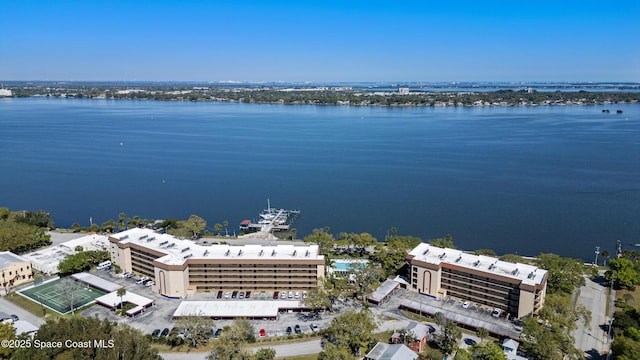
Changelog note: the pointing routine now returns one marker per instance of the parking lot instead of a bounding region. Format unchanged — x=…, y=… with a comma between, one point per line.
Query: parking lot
x=159, y=316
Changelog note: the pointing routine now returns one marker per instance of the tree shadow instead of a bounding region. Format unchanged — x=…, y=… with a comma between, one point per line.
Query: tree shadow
x=593, y=354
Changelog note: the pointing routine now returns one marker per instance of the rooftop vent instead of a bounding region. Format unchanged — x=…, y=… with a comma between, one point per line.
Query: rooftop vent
x=185, y=249
x=261, y=253
x=171, y=245
x=164, y=242
x=143, y=237
x=306, y=254
x=492, y=266
x=425, y=252
x=476, y=263
x=187, y=256
x=227, y=253
x=206, y=252
x=443, y=255
x=239, y=252
x=459, y=258
x=151, y=238
x=124, y=237
x=273, y=253
x=515, y=271
x=295, y=252
x=532, y=274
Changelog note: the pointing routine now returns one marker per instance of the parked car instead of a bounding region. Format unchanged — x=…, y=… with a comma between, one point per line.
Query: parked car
x=465, y=305
x=283, y=295
x=290, y=295
x=247, y=295
x=216, y=334
x=304, y=294
x=234, y=295
x=219, y=296
x=165, y=332
x=241, y=295
x=297, y=295
x=263, y=333
x=149, y=283
x=289, y=330
x=155, y=332
x=496, y=312
x=276, y=295
x=314, y=327
x=14, y=317
x=227, y=294
x=297, y=329
x=142, y=280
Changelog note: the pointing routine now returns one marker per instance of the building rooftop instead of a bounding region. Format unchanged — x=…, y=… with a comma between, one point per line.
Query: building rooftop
x=7, y=258
x=177, y=251
x=232, y=309
x=384, y=351
x=525, y=273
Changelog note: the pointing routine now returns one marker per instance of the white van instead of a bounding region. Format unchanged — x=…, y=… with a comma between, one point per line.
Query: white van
x=104, y=265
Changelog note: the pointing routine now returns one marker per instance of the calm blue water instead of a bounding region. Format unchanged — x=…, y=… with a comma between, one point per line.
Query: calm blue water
x=525, y=180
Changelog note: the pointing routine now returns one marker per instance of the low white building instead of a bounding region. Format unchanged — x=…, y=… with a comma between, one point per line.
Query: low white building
x=47, y=260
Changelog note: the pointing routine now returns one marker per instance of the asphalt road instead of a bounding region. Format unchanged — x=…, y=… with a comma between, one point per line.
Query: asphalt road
x=592, y=338
x=11, y=308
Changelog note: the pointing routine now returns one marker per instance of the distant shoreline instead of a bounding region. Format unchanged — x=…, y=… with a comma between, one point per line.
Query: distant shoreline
x=333, y=96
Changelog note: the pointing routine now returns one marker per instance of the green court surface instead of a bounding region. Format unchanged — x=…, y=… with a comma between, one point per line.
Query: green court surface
x=60, y=295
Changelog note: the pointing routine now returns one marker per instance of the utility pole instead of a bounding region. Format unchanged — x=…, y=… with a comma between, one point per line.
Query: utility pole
x=597, y=252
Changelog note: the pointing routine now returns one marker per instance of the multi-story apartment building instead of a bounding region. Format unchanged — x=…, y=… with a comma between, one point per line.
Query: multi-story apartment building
x=516, y=289
x=181, y=267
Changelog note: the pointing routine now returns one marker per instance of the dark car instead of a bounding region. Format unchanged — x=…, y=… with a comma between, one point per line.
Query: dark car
x=289, y=331
x=234, y=295
x=155, y=332
x=276, y=295
x=217, y=333
x=247, y=295
x=297, y=329
x=14, y=317
x=165, y=332
x=219, y=295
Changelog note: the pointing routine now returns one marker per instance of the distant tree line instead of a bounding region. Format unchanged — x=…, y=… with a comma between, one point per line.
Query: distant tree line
x=23, y=231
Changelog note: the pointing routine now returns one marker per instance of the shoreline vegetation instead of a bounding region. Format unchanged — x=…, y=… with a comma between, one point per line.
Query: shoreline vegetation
x=388, y=95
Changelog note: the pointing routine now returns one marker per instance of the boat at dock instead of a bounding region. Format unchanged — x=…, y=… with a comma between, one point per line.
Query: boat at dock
x=269, y=220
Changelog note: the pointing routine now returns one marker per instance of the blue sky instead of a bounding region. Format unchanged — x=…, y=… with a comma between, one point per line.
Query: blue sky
x=320, y=41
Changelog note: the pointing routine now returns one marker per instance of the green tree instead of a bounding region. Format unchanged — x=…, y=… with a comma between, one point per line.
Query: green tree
x=482, y=333
x=218, y=228
x=128, y=343
x=324, y=240
x=232, y=342
x=564, y=274
x=121, y=293
x=351, y=331
x=196, y=329
x=487, y=350
x=452, y=334
x=624, y=273
x=624, y=348
x=265, y=354
x=541, y=343
x=334, y=352
x=447, y=242
x=195, y=225
x=6, y=333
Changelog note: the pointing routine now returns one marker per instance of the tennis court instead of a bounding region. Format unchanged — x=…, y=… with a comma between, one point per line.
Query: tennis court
x=60, y=295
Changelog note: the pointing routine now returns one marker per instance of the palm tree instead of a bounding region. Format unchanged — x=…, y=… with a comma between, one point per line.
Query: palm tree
x=225, y=224
x=482, y=333
x=605, y=256
x=121, y=292
x=218, y=228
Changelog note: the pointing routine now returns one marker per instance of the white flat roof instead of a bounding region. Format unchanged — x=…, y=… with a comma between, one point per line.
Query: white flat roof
x=229, y=309
x=97, y=282
x=47, y=260
x=7, y=258
x=178, y=251
x=88, y=242
x=112, y=299
x=527, y=274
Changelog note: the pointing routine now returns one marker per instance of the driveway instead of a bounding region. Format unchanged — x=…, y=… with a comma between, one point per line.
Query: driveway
x=592, y=338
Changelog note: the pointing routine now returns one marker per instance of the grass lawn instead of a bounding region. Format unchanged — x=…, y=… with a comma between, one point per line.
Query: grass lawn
x=631, y=298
